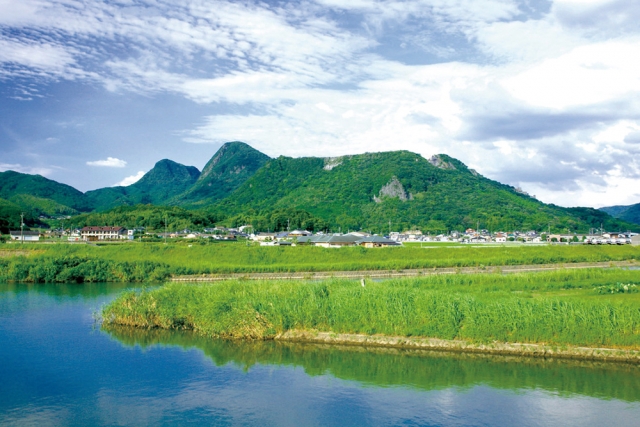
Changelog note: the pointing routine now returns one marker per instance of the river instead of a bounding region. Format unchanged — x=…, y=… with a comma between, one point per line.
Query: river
x=59, y=367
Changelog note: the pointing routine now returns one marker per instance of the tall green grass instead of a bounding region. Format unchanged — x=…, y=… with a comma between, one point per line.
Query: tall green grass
x=562, y=309
x=51, y=263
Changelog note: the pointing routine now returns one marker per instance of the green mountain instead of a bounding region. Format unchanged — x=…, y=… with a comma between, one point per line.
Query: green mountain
x=228, y=169
x=40, y=191
x=41, y=206
x=629, y=213
x=397, y=190
x=10, y=217
x=164, y=181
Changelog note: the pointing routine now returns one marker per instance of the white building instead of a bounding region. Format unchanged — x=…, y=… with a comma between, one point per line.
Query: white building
x=103, y=233
x=26, y=236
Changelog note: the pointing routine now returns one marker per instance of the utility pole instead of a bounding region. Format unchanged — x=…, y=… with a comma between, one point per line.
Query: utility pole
x=22, y=228
x=165, y=229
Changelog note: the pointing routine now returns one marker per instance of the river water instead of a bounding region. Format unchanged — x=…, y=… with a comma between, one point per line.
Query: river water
x=59, y=367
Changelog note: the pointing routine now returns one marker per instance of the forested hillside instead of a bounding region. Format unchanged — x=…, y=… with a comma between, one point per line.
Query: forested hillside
x=626, y=213
x=379, y=192
x=14, y=184
x=230, y=167
x=397, y=190
x=166, y=180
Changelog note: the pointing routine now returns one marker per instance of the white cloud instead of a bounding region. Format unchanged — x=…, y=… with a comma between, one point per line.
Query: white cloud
x=25, y=169
x=130, y=179
x=551, y=91
x=588, y=75
x=36, y=55
x=110, y=162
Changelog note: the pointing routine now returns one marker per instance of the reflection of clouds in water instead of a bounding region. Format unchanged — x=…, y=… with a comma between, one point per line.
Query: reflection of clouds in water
x=285, y=396
x=487, y=406
x=288, y=396
x=577, y=410
x=34, y=415
x=265, y=395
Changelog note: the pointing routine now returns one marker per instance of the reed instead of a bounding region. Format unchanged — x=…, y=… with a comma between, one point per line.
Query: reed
x=559, y=308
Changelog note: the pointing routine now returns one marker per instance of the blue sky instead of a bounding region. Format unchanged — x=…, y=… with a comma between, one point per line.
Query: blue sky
x=538, y=94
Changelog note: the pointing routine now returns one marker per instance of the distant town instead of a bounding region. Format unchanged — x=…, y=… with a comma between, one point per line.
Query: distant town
x=329, y=240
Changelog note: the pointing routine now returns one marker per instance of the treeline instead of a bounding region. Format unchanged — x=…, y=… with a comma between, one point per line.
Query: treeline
x=151, y=217
x=279, y=220
x=52, y=269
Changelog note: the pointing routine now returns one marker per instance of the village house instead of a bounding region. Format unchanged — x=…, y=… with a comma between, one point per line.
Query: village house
x=92, y=234
x=25, y=236
x=262, y=237
x=376, y=242
x=74, y=236
x=331, y=241
x=300, y=233
x=411, y=235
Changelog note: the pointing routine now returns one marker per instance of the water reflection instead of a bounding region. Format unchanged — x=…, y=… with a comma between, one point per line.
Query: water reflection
x=85, y=291
x=418, y=369
x=58, y=369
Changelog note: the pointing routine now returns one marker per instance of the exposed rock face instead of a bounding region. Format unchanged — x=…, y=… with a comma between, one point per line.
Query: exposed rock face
x=440, y=163
x=332, y=162
x=393, y=189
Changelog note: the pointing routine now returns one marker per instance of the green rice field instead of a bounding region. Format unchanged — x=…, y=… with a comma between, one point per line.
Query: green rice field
x=150, y=262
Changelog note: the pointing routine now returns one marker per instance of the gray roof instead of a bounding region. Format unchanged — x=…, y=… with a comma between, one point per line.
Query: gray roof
x=334, y=239
x=377, y=239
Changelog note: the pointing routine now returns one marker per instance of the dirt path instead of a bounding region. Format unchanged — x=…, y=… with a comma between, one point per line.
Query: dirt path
x=383, y=274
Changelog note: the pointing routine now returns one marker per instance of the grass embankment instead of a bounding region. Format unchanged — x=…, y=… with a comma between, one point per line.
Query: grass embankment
x=140, y=262
x=560, y=308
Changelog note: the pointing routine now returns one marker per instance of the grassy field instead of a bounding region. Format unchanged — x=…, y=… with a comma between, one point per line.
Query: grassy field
x=139, y=262
x=597, y=308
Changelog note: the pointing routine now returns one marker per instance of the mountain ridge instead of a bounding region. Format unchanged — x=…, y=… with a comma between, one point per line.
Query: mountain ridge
x=165, y=180
x=239, y=184
x=629, y=213
x=229, y=167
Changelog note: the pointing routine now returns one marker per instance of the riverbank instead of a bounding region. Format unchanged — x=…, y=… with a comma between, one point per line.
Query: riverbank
x=461, y=346
x=546, y=313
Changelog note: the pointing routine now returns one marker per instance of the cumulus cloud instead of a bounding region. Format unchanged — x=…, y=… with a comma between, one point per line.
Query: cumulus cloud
x=529, y=93
x=109, y=162
x=130, y=179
